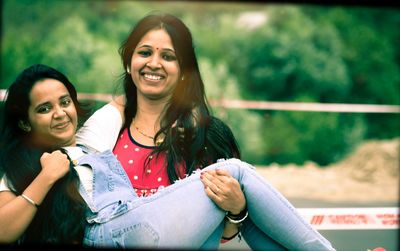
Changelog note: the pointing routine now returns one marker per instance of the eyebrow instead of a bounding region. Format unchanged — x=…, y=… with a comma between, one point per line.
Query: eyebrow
x=47, y=102
x=150, y=47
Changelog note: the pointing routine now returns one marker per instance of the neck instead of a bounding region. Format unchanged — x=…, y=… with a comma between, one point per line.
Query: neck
x=148, y=113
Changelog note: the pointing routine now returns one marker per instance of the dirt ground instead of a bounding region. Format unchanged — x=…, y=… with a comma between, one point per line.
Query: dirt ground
x=369, y=174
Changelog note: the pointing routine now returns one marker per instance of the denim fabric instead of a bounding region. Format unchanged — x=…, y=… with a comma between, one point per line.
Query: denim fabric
x=182, y=216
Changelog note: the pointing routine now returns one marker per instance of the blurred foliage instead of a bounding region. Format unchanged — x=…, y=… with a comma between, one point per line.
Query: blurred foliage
x=332, y=135
x=245, y=124
x=246, y=50
x=283, y=65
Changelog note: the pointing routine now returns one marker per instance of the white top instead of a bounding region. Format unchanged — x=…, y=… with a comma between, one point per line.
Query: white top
x=99, y=133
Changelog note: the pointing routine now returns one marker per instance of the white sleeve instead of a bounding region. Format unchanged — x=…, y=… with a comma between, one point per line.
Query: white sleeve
x=3, y=184
x=100, y=131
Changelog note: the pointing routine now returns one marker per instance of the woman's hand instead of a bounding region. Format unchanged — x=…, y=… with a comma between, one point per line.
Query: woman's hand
x=224, y=190
x=54, y=165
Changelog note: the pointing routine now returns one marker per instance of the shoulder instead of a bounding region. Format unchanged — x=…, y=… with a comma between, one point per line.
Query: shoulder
x=101, y=130
x=119, y=103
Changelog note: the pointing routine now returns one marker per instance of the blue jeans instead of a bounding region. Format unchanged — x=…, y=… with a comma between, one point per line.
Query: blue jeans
x=182, y=216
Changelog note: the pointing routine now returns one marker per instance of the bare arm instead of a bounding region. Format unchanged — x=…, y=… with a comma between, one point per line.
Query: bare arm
x=16, y=213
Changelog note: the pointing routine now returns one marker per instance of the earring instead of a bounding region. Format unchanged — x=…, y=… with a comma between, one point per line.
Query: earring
x=128, y=70
x=24, y=126
x=183, y=77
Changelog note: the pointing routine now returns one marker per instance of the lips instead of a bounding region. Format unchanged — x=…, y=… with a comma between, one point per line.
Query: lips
x=61, y=125
x=151, y=76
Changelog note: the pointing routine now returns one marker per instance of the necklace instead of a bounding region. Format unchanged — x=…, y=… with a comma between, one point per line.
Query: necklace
x=144, y=134
x=158, y=141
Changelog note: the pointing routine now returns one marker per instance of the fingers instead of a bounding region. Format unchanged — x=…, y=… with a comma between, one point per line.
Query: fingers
x=222, y=172
x=220, y=184
x=219, y=173
x=55, y=158
x=223, y=189
x=56, y=155
x=213, y=182
x=44, y=157
x=213, y=196
x=54, y=165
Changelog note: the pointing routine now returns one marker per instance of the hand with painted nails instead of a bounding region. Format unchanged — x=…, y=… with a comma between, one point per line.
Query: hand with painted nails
x=224, y=190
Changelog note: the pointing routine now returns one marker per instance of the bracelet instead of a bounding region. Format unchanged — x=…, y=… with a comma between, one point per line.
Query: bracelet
x=29, y=200
x=238, y=218
x=230, y=238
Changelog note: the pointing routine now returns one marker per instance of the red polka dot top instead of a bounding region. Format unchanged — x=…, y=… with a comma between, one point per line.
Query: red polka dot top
x=145, y=179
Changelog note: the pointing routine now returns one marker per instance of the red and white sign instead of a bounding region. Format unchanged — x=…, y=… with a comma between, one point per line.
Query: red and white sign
x=352, y=218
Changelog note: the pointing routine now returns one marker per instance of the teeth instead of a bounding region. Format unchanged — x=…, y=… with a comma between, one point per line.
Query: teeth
x=152, y=77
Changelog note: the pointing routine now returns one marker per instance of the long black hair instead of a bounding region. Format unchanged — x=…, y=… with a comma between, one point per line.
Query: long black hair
x=60, y=217
x=191, y=134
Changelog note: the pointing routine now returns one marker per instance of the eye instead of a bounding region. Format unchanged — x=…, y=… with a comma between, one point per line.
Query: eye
x=43, y=109
x=144, y=53
x=66, y=102
x=169, y=57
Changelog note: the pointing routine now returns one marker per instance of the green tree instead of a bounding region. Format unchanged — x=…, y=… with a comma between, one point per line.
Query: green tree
x=290, y=56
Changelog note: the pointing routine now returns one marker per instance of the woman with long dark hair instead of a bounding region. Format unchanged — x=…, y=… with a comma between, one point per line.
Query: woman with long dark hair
x=167, y=130
x=22, y=144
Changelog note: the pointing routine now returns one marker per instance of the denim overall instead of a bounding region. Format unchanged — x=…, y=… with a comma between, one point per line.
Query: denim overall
x=182, y=216
x=119, y=218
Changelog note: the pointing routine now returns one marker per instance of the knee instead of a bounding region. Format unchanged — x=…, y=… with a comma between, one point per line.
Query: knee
x=240, y=164
x=235, y=167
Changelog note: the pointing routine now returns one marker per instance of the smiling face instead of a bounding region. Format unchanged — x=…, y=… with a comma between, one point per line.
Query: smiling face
x=154, y=66
x=52, y=115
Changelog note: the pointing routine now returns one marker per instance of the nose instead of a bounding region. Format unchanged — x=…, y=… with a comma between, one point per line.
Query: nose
x=58, y=112
x=154, y=62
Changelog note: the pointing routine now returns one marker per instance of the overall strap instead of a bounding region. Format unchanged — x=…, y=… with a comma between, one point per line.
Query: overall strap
x=110, y=182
